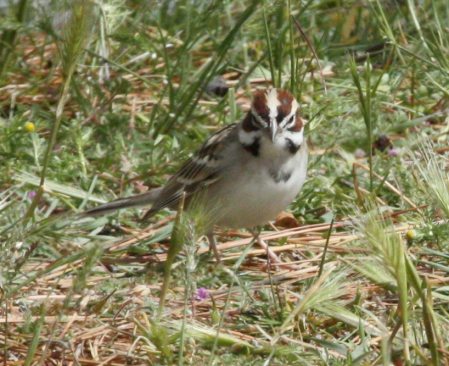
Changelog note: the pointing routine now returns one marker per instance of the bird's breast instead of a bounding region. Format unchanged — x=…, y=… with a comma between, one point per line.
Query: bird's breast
x=254, y=191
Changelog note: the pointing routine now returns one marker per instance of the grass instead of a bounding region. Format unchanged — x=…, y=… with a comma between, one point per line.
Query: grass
x=110, y=101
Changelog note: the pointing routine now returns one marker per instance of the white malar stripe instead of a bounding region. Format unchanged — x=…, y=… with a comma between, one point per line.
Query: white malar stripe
x=273, y=102
x=296, y=137
x=247, y=138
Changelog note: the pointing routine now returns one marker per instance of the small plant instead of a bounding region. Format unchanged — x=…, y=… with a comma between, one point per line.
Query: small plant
x=75, y=35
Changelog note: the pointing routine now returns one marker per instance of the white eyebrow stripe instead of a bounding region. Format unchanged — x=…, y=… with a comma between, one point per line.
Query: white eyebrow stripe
x=273, y=103
x=285, y=120
x=292, y=113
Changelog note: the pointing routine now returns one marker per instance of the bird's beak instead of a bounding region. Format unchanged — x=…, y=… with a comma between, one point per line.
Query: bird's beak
x=273, y=129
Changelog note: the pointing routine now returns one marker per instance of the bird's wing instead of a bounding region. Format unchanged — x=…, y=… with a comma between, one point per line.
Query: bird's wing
x=200, y=171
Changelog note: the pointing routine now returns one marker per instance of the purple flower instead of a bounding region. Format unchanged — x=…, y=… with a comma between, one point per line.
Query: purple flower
x=31, y=194
x=393, y=152
x=202, y=294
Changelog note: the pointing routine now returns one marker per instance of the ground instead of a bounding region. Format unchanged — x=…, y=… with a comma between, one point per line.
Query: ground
x=105, y=99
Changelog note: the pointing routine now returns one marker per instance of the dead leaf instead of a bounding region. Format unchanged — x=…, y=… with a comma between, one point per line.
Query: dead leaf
x=286, y=220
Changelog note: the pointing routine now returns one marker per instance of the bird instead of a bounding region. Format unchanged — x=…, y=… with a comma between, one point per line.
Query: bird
x=246, y=173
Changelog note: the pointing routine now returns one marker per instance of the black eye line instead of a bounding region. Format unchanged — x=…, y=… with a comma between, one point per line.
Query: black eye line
x=289, y=122
x=266, y=118
x=255, y=122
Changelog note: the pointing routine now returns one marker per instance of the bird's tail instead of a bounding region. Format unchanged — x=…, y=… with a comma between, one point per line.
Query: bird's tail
x=144, y=199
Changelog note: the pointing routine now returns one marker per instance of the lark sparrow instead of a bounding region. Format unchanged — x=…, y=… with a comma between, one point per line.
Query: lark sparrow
x=246, y=173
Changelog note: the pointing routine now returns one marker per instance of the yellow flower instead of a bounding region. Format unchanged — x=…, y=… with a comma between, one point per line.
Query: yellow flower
x=29, y=127
x=410, y=234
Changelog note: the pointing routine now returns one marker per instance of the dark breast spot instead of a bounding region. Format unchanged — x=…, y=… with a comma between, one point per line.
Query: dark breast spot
x=280, y=176
x=253, y=148
x=292, y=148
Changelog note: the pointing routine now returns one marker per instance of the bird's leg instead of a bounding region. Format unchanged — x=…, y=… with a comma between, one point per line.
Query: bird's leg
x=272, y=256
x=213, y=246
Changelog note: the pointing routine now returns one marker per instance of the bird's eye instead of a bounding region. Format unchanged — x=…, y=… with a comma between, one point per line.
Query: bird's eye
x=290, y=123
